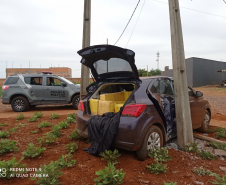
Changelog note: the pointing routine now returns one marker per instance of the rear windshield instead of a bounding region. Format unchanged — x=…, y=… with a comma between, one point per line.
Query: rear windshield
x=11, y=80
x=111, y=65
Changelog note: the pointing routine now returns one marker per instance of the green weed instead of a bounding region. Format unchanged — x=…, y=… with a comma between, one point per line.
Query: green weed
x=109, y=175
x=14, y=129
x=70, y=120
x=207, y=155
x=54, y=116
x=160, y=154
x=34, y=131
x=219, y=180
x=192, y=147
x=19, y=117
x=157, y=168
x=65, y=161
x=201, y=171
x=48, y=138
x=7, y=165
x=56, y=130
x=33, y=119
x=74, y=135
x=71, y=116
x=32, y=151
x=4, y=134
x=71, y=147
x=209, y=130
x=5, y=124
x=215, y=145
x=63, y=124
x=44, y=124
x=109, y=156
x=7, y=146
x=38, y=114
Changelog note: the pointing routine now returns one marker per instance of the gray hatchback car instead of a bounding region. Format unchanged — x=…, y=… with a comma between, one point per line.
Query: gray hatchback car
x=28, y=90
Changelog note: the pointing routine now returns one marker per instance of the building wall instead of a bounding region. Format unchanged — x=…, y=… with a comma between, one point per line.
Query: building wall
x=201, y=72
x=61, y=71
x=205, y=72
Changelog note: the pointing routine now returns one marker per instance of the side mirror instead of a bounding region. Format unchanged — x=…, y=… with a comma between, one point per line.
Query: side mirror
x=199, y=94
x=63, y=84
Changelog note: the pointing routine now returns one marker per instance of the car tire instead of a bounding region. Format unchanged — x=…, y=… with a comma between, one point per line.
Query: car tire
x=205, y=122
x=19, y=104
x=150, y=142
x=75, y=101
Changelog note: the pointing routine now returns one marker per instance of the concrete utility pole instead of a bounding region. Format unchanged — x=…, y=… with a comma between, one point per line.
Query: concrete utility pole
x=183, y=114
x=157, y=59
x=85, y=43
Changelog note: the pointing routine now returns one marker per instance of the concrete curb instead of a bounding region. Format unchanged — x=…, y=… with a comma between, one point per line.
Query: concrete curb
x=208, y=138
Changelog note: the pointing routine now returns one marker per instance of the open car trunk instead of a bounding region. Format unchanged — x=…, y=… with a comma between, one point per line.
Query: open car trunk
x=109, y=97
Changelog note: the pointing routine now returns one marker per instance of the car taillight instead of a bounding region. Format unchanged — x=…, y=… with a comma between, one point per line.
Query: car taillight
x=5, y=87
x=133, y=110
x=81, y=106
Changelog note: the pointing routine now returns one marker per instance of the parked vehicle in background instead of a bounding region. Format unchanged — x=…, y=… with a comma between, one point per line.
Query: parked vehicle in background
x=148, y=110
x=28, y=90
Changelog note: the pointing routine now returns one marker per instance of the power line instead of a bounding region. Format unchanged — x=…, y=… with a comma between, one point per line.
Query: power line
x=194, y=9
x=135, y=23
x=128, y=21
x=224, y=1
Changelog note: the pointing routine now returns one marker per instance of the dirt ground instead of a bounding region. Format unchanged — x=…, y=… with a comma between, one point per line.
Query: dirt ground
x=83, y=173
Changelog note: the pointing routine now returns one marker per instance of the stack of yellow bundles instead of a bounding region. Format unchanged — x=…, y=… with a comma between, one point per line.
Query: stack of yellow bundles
x=127, y=94
x=118, y=106
x=94, y=103
x=119, y=96
x=106, y=106
x=108, y=97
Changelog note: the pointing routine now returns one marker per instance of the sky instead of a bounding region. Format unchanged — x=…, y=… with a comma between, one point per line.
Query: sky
x=49, y=32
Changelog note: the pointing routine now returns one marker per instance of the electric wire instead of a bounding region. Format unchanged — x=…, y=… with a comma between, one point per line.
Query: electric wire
x=194, y=9
x=128, y=22
x=135, y=24
x=224, y=1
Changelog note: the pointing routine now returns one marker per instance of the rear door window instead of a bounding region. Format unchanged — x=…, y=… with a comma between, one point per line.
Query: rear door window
x=155, y=87
x=51, y=81
x=11, y=80
x=33, y=80
x=166, y=87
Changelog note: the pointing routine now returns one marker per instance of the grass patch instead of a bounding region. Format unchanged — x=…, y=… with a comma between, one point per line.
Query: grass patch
x=220, y=133
x=201, y=171
x=109, y=156
x=48, y=139
x=160, y=154
x=32, y=151
x=20, y=117
x=34, y=131
x=14, y=129
x=157, y=168
x=71, y=147
x=75, y=135
x=215, y=145
x=7, y=146
x=4, y=134
x=65, y=161
x=63, y=124
x=56, y=130
x=33, y=119
x=38, y=114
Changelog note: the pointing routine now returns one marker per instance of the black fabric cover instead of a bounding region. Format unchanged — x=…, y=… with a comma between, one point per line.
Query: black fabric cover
x=102, y=131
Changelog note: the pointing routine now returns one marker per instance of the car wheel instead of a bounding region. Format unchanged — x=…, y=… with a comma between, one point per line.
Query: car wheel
x=75, y=101
x=153, y=139
x=19, y=104
x=206, y=122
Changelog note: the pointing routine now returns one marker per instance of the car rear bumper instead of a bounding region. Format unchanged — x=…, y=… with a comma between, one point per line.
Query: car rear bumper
x=82, y=128
x=5, y=100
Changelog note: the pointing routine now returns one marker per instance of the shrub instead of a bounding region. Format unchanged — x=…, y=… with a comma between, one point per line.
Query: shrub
x=54, y=116
x=48, y=138
x=19, y=117
x=63, y=124
x=4, y=134
x=109, y=156
x=7, y=165
x=34, y=131
x=192, y=147
x=44, y=124
x=53, y=173
x=56, y=130
x=38, y=114
x=33, y=119
x=65, y=161
x=157, y=168
x=201, y=171
x=71, y=147
x=160, y=154
x=109, y=175
x=74, y=135
x=32, y=151
x=207, y=155
x=7, y=146
x=14, y=129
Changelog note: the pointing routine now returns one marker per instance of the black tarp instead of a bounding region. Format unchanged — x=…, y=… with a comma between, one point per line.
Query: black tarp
x=102, y=131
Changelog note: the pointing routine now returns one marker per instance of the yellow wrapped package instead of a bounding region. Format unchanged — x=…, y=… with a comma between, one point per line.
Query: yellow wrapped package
x=94, y=103
x=106, y=106
x=108, y=97
x=127, y=94
x=119, y=96
x=118, y=106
